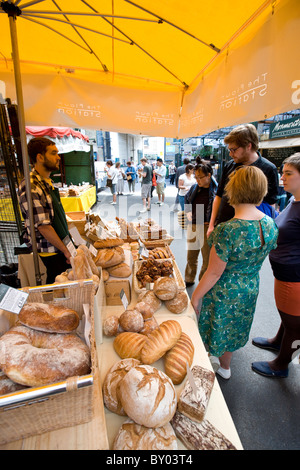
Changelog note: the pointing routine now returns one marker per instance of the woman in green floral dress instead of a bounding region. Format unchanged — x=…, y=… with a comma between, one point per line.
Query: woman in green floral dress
x=229, y=287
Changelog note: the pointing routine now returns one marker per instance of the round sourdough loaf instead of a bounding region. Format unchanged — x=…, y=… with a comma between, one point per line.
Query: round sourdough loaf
x=148, y=396
x=111, y=326
x=179, y=303
x=150, y=298
x=165, y=288
x=133, y=436
x=131, y=320
x=112, y=382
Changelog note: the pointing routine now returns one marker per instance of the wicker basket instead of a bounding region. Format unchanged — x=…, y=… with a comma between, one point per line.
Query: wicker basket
x=37, y=410
x=176, y=274
x=153, y=243
x=166, y=248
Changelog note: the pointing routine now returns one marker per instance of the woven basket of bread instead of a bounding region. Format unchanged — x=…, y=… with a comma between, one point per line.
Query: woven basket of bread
x=35, y=410
x=139, y=288
x=149, y=243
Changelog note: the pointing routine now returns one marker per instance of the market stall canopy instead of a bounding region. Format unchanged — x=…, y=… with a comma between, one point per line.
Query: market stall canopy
x=167, y=68
x=66, y=139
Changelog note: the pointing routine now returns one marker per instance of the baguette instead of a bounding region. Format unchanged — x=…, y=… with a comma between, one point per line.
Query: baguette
x=129, y=344
x=177, y=357
x=160, y=340
x=108, y=243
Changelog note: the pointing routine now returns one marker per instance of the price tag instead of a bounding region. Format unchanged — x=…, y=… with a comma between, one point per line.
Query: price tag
x=144, y=252
x=12, y=299
x=191, y=380
x=76, y=236
x=92, y=249
x=69, y=244
x=124, y=299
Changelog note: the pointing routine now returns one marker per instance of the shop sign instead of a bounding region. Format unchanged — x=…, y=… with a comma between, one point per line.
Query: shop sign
x=286, y=128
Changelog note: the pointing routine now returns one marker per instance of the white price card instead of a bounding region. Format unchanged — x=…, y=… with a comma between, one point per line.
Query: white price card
x=124, y=299
x=12, y=299
x=76, y=236
x=69, y=244
x=92, y=249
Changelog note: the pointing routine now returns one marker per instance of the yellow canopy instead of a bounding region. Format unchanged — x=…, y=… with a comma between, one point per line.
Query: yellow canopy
x=164, y=68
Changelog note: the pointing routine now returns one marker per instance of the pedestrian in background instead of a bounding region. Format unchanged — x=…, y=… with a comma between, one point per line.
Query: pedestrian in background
x=146, y=174
x=160, y=173
x=180, y=170
x=112, y=179
x=172, y=172
x=285, y=262
x=185, y=181
x=130, y=173
x=121, y=176
x=229, y=287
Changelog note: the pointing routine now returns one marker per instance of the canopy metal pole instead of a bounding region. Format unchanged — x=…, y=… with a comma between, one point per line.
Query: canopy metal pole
x=19, y=92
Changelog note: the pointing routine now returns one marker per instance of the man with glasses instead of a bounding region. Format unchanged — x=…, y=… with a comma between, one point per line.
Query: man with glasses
x=242, y=144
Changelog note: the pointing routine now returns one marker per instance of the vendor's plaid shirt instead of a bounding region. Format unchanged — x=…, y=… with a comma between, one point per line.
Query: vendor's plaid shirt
x=43, y=213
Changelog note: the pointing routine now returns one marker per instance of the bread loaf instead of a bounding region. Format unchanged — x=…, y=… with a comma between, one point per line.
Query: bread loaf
x=195, y=407
x=179, y=303
x=160, y=340
x=120, y=270
x=49, y=317
x=81, y=267
x=131, y=320
x=150, y=298
x=111, y=325
x=133, y=436
x=199, y=436
x=108, y=243
x=129, y=344
x=146, y=309
x=108, y=257
x=177, y=357
x=105, y=274
x=150, y=324
x=165, y=288
x=148, y=396
x=89, y=257
x=7, y=385
x=112, y=382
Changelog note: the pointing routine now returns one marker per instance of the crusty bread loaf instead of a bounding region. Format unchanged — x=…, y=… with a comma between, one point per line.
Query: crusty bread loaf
x=160, y=340
x=107, y=257
x=179, y=303
x=148, y=396
x=150, y=324
x=146, y=309
x=111, y=325
x=112, y=382
x=177, y=357
x=131, y=320
x=120, y=270
x=195, y=407
x=133, y=436
x=84, y=249
x=129, y=344
x=7, y=385
x=199, y=436
x=165, y=288
x=108, y=242
x=150, y=298
x=81, y=267
x=49, y=317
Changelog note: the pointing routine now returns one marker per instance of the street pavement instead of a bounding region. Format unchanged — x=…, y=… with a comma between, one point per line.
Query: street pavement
x=266, y=411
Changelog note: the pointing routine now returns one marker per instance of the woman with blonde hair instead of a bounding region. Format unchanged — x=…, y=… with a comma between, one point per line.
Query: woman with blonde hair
x=230, y=285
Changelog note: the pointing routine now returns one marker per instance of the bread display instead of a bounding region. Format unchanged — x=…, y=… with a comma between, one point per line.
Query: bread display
x=131, y=320
x=199, y=436
x=119, y=270
x=160, y=340
x=176, y=358
x=148, y=396
x=179, y=303
x=150, y=230
x=112, y=382
x=151, y=270
x=195, y=407
x=159, y=253
x=165, y=288
x=108, y=257
x=129, y=344
x=49, y=317
x=133, y=436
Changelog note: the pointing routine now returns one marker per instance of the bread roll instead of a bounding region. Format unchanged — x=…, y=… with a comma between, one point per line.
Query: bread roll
x=148, y=396
x=133, y=436
x=112, y=382
x=195, y=407
x=199, y=436
x=108, y=243
x=160, y=340
x=120, y=270
x=111, y=325
x=149, y=325
x=165, y=288
x=131, y=320
x=129, y=344
x=177, y=357
x=179, y=303
x=146, y=309
x=150, y=298
x=108, y=257
x=62, y=278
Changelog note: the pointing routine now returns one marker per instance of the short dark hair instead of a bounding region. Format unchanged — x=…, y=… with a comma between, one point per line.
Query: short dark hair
x=243, y=135
x=202, y=165
x=189, y=167
x=293, y=160
x=109, y=163
x=159, y=160
x=186, y=161
x=38, y=145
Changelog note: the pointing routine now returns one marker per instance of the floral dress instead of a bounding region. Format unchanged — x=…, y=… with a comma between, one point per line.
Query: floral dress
x=228, y=307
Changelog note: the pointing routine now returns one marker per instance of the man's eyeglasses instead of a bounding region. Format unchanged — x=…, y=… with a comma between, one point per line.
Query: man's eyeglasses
x=232, y=150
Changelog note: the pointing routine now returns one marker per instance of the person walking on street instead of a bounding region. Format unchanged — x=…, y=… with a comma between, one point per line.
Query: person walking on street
x=112, y=175
x=49, y=217
x=172, y=172
x=198, y=204
x=160, y=173
x=121, y=176
x=285, y=263
x=242, y=144
x=185, y=181
x=146, y=174
x=130, y=173
x=180, y=170
x=230, y=285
